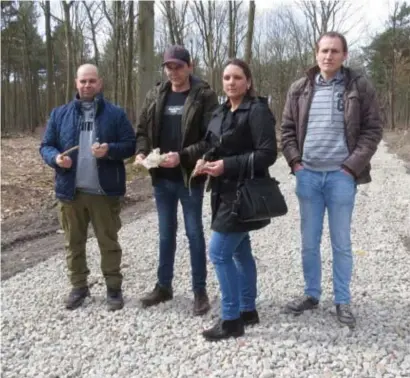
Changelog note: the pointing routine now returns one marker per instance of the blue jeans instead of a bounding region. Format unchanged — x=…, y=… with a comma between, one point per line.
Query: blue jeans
x=167, y=194
x=334, y=191
x=235, y=268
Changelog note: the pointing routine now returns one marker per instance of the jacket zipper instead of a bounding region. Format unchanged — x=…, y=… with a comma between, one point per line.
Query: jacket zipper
x=306, y=120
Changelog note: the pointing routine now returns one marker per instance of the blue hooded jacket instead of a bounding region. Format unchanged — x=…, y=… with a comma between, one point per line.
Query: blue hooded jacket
x=112, y=127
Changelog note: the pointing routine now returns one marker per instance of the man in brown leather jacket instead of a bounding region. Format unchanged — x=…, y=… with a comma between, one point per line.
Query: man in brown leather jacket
x=174, y=117
x=331, y=128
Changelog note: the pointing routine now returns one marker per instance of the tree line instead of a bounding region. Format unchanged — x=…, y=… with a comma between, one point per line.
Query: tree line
x=125, y=39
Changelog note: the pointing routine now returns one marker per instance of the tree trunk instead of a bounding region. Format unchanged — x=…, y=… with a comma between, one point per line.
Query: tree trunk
x=231, y=48
x=35, y=102
x=130, y=55
x=50, y=68
x=249, y=35
x=3, y=106
x=393, y=75
x=145, y=49
x=93, y=33
x=27, y=88
x=69, y=43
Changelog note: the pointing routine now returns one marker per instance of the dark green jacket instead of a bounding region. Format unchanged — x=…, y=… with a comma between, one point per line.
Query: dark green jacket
x=198, y=108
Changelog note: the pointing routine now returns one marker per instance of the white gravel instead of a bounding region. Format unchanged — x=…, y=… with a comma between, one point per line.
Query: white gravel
x=41, y=339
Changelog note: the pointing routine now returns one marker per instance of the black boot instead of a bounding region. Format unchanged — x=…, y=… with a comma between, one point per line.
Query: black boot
x=225, y=329
x=301, y=304
x=158, y=295
x=115, y=301
x=345, y=315
x=250, y=317
x=76, y=297
x=201, y=303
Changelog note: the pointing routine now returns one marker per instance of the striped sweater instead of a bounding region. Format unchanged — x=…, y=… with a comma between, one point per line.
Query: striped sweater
x=325, y=147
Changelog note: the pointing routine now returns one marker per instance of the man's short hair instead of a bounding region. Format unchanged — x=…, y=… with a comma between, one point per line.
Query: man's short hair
x=333, y=34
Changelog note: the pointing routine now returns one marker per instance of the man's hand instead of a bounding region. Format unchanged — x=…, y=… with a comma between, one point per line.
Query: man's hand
x=99, y=150
x=346, y=172
x=139, y=159
x=64, y=161
x=214, y=168
x=297, y=167
x=171, y=161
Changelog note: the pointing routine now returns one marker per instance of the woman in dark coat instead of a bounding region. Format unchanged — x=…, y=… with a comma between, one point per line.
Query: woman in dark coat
x=244, y=124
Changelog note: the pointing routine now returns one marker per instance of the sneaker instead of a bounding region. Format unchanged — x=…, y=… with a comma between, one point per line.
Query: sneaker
x=225, y=329
x=158, y=295
x=250, y=317
x=345, y=315
x=115, y=301
x=201, y=303
x=76, y=297
x=299, y=305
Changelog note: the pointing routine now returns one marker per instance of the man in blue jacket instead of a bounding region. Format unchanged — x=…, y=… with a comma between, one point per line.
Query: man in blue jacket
x=90, y=180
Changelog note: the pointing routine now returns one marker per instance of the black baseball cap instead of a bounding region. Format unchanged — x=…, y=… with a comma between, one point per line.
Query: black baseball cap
x=177, y=54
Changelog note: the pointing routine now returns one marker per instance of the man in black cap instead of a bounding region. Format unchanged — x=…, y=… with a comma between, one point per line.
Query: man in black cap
x=175, y=116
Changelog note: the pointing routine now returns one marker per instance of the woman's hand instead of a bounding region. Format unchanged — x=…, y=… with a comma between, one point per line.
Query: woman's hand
x=214, y=168
x=199, y=168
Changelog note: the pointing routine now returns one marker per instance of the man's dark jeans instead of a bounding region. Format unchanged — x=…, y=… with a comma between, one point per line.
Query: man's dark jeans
x=167, y=194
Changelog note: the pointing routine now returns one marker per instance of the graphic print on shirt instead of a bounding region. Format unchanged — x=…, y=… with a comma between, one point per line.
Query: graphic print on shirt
x=172, y=110
x=340, y=104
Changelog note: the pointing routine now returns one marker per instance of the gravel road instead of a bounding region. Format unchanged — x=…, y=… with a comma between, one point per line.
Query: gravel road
x=41, y=339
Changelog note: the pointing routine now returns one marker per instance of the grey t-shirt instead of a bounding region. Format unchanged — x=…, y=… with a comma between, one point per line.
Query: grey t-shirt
x=87, y=173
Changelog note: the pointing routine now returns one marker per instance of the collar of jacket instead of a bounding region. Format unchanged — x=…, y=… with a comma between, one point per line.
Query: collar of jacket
x=98, y=101
x=348, y=74
x=245, y=104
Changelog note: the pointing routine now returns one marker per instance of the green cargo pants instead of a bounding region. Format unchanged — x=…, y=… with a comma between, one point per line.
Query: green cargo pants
x=104, y=214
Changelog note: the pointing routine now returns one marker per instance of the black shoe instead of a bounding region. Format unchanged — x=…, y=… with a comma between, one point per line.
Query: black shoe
x=76, y=297
x=250, y=317
x=115, y=301
x=158, y=295
x=345, y=315
x=298, y=305
x=225, y=329
x=201, y=303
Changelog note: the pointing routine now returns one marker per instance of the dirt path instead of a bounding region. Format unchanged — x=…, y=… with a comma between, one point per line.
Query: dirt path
x=35, y=236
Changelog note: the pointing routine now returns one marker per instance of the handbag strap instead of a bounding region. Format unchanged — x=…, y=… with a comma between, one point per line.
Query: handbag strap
x=246, y=168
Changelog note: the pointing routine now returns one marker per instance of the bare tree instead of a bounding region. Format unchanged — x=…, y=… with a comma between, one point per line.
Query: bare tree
x=145, y=48
x=210, y=18
x=90, y=9
x=50, y=67
x=329, y=15
x=176, y=20
x=249, y=35
x=235, y=30
x=130, y=57
x=69, y=46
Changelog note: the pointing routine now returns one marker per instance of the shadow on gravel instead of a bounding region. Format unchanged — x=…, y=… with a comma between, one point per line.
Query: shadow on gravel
x=376, y=320
x=406, y=242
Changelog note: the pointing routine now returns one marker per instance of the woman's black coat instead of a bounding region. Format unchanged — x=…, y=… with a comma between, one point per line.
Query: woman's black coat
x=232, y=136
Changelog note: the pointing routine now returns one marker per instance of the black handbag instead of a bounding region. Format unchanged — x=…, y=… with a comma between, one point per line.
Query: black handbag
x=257, y=198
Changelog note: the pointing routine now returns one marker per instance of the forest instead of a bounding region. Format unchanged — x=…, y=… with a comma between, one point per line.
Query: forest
x=43, y=42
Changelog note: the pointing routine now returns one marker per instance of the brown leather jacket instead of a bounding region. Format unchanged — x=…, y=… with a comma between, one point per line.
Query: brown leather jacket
x=363, y=124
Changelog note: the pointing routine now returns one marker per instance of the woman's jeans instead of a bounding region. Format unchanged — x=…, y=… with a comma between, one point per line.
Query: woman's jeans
x=235, y=268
